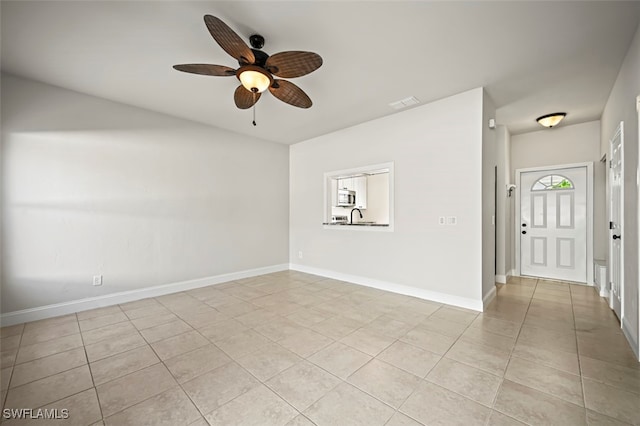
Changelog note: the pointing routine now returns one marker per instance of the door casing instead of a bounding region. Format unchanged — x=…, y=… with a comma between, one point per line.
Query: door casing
x=516, y=218
x=618, y=134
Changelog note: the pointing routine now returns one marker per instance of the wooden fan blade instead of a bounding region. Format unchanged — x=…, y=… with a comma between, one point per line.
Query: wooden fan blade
x=245, y=99
x=206, y=69
x=290, y=93
x=229, y=40
x=293, y=64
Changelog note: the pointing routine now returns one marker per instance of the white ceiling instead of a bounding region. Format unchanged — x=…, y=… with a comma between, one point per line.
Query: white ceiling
x=534, y=57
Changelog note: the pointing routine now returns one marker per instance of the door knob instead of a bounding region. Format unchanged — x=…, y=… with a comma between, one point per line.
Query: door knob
x=524, y=232
x=617, y=237
x=524, y=225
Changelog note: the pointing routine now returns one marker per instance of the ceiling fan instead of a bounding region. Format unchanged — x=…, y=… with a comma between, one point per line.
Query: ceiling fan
x=257, y=68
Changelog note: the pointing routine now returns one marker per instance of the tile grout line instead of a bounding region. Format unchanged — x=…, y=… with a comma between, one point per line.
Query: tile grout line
x=223, y=351
x=132, y=372
x=306, y=359
x=68, y=396
x=50, y=375
x=13, y=366
x=424, y=379
x=160, y=361
x=232, y=360
x=95, y=389
x=495, y=399
x=575, y=332
x=363, y=326
x=503, y=378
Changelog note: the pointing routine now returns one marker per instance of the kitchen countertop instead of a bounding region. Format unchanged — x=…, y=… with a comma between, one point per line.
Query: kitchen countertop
x=354, y=224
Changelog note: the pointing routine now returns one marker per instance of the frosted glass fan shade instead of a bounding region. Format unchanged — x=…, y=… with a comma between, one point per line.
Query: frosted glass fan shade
x=253, y=80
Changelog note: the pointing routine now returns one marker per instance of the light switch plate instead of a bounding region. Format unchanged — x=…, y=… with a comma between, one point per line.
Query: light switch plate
x=452, y=220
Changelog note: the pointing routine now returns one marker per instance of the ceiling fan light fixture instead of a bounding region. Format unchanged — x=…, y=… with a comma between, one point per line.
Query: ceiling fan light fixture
x=551, y=120
x=254, y=78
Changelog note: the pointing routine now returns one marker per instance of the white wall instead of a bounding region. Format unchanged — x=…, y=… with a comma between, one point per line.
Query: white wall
x=489, y=164
x=504, y=205
x=564, y=145
x=437, y=153
x=96, y=187
x=621, y=106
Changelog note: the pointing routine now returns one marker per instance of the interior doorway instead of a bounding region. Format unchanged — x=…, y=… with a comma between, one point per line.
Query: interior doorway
x=616, y=221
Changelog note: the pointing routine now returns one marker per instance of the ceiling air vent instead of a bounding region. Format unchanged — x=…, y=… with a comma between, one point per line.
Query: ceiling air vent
x=404, y=103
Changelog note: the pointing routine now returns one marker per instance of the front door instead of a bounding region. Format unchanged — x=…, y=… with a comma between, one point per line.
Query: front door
x=615, y=224
x=553, y=224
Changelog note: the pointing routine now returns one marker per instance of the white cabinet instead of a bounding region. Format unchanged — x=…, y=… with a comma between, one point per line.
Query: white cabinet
x=346, y=183
x=357, y=184
x=360, y=186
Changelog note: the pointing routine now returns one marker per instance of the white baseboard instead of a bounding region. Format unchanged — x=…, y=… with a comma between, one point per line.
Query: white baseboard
x=502, y=279
x=511, y=273
x=48, y=311
x=604, y=293
x=420, y=293
x=633, y=340
x=488, y=298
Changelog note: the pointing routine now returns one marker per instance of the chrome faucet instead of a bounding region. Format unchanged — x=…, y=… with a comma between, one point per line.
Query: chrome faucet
x=352, y=214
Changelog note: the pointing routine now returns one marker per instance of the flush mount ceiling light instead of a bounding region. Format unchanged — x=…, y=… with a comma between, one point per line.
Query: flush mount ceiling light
x=551, y=120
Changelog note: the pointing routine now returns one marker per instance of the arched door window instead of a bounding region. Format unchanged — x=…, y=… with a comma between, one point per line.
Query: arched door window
x=552, y=182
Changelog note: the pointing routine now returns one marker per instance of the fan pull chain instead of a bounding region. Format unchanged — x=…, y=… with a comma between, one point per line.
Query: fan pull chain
x=254, y=108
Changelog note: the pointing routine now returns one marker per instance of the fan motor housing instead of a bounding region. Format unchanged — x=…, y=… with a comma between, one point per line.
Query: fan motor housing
x=257, y=41
x=260, y=56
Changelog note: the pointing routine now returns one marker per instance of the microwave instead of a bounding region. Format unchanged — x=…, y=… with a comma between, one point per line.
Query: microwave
x=346, y=198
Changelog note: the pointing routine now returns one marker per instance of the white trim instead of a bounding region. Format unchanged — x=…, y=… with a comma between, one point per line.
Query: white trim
x=631, y=339
x=502, y=279
x=488, y=298
x=637, y=345
x=48, y=311
x=602, y=287
x=589, y=167
x=449, y=299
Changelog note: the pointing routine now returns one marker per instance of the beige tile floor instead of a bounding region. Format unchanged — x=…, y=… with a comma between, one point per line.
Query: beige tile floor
x=295, y=349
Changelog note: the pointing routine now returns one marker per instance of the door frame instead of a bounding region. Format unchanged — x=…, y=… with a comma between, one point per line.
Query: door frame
x=619, y=131
x=516, y=219
x=636, y=349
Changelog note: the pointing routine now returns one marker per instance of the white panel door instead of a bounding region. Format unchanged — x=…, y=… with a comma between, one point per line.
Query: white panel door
x=615, y=225
x=553, y=224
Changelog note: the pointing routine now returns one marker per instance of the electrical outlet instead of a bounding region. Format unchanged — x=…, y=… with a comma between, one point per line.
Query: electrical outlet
x=97, y=280
x=300, y=254
x=442, y=220
x=452, y=220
